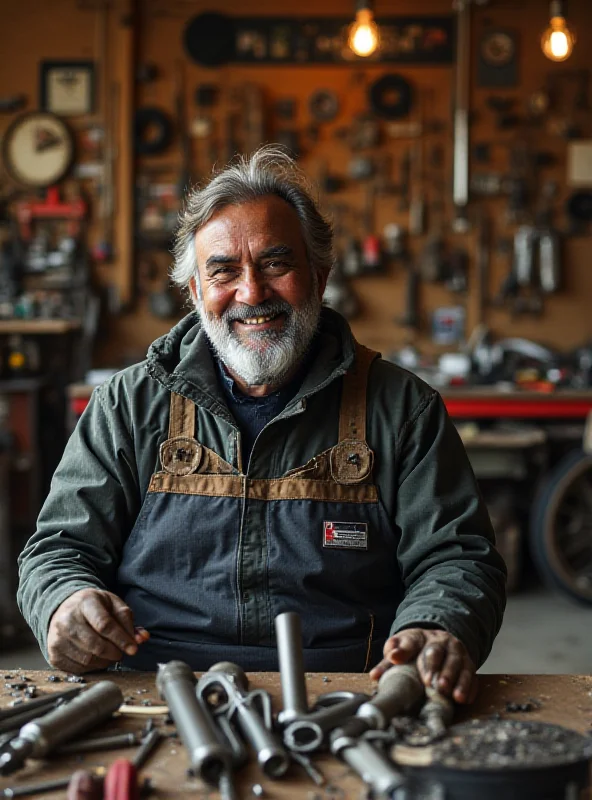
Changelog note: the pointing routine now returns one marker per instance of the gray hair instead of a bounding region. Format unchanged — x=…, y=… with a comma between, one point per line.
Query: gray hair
x=268, y=171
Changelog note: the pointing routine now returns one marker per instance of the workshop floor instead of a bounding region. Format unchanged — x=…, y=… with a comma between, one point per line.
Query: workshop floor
x=542, y=633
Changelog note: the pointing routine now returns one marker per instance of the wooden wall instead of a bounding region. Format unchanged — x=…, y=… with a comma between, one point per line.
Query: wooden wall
x=34, y=29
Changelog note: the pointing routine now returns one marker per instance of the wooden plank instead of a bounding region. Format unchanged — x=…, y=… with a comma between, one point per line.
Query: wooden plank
x=38, y=326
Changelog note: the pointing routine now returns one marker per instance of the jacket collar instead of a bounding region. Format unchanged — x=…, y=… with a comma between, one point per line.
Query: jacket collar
x=182, y=362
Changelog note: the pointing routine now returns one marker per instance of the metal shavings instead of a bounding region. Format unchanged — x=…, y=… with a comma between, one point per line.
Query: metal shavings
x=326, y=679
x=482, y=744
x=15, y=685
x=31, y=691
x=16, y=702
x=75, y=679
x=24, y=678
x=54, y=679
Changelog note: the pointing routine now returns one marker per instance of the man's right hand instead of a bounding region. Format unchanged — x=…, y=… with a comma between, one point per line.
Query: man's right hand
x=90, y=630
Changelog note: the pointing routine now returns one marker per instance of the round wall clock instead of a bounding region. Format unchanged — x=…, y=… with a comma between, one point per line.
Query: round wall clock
x=37, y=149
x=497, y=48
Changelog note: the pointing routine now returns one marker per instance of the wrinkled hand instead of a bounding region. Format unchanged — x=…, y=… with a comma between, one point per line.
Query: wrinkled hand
x=442, y=661
x=90, y=630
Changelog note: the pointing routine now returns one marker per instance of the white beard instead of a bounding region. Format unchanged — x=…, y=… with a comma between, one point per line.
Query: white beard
x=263, y=357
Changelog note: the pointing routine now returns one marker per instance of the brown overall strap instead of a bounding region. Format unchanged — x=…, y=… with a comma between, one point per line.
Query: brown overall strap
x=352, y=415
x=182, y=417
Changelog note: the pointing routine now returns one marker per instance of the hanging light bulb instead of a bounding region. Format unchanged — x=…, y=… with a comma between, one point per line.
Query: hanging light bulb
x=558, y=40
x=364, y=36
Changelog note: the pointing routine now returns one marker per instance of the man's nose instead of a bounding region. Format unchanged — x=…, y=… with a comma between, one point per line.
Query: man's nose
x=252, y=289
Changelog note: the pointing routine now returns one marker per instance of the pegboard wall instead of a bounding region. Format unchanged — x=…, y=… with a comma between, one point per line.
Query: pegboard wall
x=565, y=320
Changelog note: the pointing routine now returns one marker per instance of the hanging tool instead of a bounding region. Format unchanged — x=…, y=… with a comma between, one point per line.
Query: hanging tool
x=460, y=190
x=405, y=184
x=210, y=758
x=483, y=263
x=524, y=254
x=411, y=317
x=184, y=180
x=391, y=96
x=224, y=688
x=371, y=250
x=549, y=260
x=38, y=738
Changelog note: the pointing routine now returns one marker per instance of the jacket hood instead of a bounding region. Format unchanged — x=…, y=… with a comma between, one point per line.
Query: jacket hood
x=182, y=361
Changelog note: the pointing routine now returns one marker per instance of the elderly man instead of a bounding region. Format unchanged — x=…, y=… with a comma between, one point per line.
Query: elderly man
x=260, y=461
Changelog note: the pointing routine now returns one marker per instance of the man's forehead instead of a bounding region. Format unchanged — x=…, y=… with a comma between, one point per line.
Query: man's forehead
x=263, y=223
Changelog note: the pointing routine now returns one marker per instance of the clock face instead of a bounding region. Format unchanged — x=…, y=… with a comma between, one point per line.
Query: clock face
x=38, y=149
x=498, y=49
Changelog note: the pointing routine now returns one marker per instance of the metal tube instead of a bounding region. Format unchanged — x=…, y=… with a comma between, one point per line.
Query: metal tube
x=288, y=632
x=208, y=757
x=89, y=708
x=372, y=766
x=252, y=712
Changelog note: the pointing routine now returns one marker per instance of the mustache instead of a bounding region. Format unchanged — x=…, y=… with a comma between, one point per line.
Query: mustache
x=270, y=308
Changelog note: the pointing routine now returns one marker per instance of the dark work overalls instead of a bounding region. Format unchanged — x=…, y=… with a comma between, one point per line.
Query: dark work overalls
x=215, y=555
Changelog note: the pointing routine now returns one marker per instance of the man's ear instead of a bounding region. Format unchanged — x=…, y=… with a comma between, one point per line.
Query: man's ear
x=193, y=291
x=322, y=283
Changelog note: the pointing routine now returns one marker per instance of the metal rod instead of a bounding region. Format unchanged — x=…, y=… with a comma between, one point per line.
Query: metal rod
x=102, y=743
x=288, y=631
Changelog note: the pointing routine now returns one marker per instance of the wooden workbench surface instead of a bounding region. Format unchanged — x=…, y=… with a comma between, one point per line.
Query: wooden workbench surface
x=563, y=700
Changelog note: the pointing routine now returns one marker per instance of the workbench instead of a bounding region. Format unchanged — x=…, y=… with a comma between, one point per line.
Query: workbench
x=561, y=699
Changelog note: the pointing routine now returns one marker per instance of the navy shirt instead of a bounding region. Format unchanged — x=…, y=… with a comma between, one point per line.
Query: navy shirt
x=253, y=413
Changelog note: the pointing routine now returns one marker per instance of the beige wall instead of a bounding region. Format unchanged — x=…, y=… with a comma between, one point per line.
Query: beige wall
x=36, y=29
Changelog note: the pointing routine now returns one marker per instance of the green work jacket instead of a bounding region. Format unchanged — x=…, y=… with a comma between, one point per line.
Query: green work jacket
x=446, y=571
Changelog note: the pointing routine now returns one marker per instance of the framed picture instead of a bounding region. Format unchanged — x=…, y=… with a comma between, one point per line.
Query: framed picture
x=67, y=88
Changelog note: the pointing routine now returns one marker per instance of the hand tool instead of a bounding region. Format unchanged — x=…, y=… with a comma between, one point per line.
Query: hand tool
x=33, y=789
x=13, y=714
x=40, y=737
x=524, y=242
x=209, y=757
x=308, y=733
x=225, y=689
x=288, y=632
x=313, y=773
x=400, y=692
x=121, y=780
x=84, y=786
x=103, y=743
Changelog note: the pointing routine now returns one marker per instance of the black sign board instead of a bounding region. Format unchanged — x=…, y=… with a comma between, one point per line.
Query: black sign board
x=213, y=39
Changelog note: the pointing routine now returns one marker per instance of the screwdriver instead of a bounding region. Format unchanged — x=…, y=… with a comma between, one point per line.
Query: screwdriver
x=39, y=737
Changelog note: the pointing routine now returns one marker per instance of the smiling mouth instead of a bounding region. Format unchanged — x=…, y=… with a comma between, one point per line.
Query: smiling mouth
x=259, y=320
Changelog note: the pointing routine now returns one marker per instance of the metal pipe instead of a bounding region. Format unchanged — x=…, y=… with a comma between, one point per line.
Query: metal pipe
x=208, y=756
x=288, y=632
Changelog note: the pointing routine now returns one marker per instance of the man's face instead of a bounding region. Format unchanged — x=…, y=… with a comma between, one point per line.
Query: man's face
x=260, y=302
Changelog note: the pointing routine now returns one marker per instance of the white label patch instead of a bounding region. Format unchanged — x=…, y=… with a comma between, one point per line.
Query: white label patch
x=349, y=535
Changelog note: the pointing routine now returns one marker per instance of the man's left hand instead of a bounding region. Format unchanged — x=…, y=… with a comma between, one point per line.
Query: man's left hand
x=442, y=661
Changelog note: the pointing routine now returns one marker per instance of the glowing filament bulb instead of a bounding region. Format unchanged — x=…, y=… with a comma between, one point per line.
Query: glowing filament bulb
x=363, y=37
x=558, y=40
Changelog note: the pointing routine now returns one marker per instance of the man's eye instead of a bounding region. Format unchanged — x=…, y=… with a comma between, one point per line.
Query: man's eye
x=277, y=265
